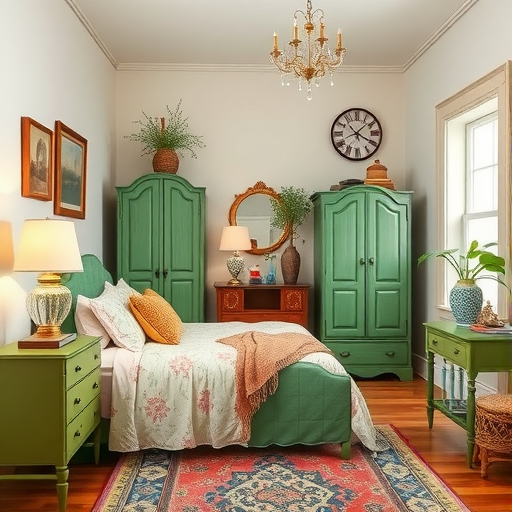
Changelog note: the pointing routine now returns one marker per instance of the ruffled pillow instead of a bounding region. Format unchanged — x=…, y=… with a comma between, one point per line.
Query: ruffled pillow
x=157, y=317
x=112, y=309
x=86, y=321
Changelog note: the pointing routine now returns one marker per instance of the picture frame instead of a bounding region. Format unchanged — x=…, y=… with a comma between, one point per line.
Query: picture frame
x=70, y=172
x=37, y=160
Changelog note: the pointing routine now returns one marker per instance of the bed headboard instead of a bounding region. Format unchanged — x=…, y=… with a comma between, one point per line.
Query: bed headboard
x=89, y=283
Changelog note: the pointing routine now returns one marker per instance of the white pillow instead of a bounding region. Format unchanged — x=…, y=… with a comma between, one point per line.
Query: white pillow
x=86, y=321
x=112, y=309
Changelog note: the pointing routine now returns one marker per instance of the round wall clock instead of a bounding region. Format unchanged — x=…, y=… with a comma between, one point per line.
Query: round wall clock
x=356, y=134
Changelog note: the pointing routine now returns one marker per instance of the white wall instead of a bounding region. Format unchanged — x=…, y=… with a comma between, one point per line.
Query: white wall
x=51, y=70
x=255, y=129
x=477, y=44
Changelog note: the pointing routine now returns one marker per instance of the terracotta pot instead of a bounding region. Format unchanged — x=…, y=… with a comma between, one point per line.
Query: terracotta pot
x=166, y=160
x=290, y=265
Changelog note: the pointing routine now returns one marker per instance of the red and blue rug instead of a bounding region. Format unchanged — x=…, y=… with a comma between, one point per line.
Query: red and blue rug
x=291, y=479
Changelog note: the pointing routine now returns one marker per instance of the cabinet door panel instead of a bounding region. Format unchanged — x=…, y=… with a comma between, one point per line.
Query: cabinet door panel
x=345, y=268
x=387, y=283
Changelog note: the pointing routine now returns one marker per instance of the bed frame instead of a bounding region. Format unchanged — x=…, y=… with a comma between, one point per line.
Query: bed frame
x=311, y=406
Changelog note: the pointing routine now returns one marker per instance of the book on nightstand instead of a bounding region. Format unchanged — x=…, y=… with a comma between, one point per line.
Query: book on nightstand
x=35, y=341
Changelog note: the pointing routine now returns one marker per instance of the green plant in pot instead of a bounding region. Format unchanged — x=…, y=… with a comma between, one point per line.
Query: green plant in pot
x=466, y=296
x=290, y=211
x=166, y=138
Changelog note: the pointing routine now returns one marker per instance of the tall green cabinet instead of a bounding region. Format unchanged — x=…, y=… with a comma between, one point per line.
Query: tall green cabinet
x=362, y=275
x=161, y=240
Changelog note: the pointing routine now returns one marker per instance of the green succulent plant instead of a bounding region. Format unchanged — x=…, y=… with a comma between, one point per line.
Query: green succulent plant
x=483, y=259
x=172, y=133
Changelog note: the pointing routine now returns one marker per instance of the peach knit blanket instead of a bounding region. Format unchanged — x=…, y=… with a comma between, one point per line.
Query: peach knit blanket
x=260, y=356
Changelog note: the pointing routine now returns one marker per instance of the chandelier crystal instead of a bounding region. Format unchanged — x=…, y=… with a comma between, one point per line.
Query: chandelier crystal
x=308, y=56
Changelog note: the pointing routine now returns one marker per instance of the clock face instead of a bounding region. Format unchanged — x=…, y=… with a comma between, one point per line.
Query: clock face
x=356, y=134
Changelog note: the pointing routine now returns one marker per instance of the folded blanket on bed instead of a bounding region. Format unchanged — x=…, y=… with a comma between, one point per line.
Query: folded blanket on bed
x=260, y=356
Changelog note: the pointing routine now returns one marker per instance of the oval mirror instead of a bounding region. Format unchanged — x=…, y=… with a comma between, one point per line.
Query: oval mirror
x=253, y=209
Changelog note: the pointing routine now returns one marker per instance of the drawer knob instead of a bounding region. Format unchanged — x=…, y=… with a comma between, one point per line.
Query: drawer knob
x=362, y=261
x=77, y=433
x=95, y=385
x=96, y=356
x=390, y=353
x=456, y=351
x=345, y=354
x=77, y=401
x=78, y=369
x=434, y=342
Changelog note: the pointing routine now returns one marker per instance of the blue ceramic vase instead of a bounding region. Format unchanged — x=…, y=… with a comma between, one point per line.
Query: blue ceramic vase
x=466, y=301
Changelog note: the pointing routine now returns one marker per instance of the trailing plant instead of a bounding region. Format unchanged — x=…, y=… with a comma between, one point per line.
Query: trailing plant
x=483, y=260
x=171, y=133
x=291, y=210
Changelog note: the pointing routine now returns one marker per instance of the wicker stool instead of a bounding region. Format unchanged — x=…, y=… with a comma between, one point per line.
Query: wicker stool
x=493, y=430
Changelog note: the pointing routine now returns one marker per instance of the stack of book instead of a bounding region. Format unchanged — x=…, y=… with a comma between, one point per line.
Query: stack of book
x=37, y=342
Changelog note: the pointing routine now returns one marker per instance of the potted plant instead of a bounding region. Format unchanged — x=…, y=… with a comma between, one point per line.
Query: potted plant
x=166, y=138
x=289, y=212
x=466, y=296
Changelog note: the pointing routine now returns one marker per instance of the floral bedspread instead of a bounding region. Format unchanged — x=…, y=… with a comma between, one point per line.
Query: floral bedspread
x=181, y=396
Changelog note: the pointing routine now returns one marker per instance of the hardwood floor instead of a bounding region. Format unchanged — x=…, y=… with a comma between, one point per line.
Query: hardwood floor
x=390, y=401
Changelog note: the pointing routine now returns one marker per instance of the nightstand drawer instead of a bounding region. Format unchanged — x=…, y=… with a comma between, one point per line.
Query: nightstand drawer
x=82, y=426
x=82, y=364
x=435, y=343
x=82, y=394
x=455, y=352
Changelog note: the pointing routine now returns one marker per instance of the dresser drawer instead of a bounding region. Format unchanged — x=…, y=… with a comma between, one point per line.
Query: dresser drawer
x=82, y=426
x=370, y=353
x=82, y=364
x=455, y=352
x=435, y=343
x=80, y=395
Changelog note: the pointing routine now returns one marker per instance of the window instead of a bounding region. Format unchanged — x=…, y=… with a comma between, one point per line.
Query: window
x=473, y=178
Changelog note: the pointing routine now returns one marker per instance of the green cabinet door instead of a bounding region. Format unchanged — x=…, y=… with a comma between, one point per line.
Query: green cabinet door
x=161, y=241
x=362, y=278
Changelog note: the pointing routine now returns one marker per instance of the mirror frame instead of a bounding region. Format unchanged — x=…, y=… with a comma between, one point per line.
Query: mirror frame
x=259, y=188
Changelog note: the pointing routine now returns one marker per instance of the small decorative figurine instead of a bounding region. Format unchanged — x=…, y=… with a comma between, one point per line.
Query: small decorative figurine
x=254, y=273
x=271, y=275
x=488, y=317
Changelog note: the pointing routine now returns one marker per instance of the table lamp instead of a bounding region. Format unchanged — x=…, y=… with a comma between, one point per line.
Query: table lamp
x=235, y=238
x=50, y=247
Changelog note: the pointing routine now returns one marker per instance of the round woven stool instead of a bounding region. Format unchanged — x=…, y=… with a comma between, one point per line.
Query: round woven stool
x=493, y=430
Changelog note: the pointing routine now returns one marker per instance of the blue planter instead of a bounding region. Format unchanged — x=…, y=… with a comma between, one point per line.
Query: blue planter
x=466, y=301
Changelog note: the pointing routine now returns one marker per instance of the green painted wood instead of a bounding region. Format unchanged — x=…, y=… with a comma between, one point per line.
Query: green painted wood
x=161, y=241
x=40, y=423
x=362, y=277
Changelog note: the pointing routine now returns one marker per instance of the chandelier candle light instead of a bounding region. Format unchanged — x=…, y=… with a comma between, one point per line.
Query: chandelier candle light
x=308, y=56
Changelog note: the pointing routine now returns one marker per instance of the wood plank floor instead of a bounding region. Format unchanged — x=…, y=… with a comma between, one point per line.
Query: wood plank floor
x=389, y=400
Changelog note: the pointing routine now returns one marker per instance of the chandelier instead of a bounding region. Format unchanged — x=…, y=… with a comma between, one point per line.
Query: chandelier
x=308, y=56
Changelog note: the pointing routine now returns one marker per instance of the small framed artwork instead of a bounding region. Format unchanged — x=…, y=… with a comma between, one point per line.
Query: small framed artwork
x=70, y=172
x=36, y=160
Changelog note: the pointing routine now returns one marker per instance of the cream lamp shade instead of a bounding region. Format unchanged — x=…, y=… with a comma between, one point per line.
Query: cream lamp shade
x=51, y=247
x=235, y=238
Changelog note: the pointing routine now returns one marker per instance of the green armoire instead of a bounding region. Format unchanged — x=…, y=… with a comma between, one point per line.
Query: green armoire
x=362, y=273
x=161, y=240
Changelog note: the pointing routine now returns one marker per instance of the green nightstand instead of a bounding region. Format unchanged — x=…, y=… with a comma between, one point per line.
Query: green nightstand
x=49, y=405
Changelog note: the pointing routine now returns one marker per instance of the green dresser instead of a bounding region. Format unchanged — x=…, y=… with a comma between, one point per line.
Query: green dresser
x=362, y=275
x=161, y=240
x=49, y=406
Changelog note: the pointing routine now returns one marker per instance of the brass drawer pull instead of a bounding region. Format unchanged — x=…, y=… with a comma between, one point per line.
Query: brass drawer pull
x=345, y=354
x=390, y=353
x=456, y=351
x=78, y=369
x=77, y=401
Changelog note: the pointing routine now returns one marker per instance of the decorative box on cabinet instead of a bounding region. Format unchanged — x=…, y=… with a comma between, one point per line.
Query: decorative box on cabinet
x=49, y=406
x=362, y=278
x=161, y=240
x=259, y=302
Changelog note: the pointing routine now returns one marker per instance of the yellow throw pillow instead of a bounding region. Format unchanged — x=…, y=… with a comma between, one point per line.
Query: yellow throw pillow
x=157, y=317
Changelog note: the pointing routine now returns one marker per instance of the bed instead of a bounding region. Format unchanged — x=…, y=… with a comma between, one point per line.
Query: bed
x=315, y=402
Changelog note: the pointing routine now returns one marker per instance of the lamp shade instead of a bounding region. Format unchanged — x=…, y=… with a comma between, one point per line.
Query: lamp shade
x=48, y=245
x=235, y=238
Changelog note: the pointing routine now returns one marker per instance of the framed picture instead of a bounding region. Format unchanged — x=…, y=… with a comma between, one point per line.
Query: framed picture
x=36, y=160
x=70, y=172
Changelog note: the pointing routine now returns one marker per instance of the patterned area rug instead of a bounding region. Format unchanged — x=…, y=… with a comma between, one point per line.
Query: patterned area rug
x=292, y=479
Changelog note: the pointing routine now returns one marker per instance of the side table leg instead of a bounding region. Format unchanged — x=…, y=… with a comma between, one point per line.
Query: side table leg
x=430, y=388
x=62, y=486
x=470, y=417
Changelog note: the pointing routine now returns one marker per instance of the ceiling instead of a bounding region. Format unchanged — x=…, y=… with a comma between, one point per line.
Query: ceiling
x=388, y=34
